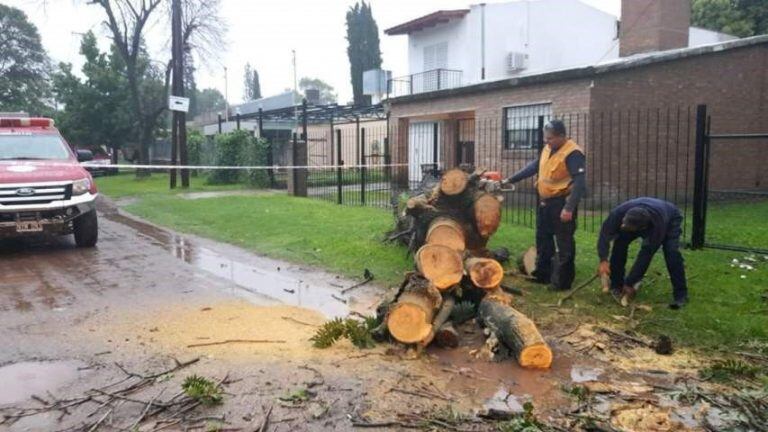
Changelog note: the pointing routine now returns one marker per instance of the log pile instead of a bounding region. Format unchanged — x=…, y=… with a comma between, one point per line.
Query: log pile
x=447, y=229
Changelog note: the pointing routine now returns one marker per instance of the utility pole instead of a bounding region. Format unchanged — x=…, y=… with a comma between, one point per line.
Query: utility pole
x=226, y=94
x=295, y=91
x=179, y=129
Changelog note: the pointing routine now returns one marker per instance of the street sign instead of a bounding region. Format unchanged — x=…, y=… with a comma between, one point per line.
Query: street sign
x=178, y=103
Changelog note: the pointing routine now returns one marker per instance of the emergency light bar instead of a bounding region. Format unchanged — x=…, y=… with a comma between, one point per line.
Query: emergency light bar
x=26, y=122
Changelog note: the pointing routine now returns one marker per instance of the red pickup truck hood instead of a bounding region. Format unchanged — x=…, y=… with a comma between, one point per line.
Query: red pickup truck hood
x=40, y=171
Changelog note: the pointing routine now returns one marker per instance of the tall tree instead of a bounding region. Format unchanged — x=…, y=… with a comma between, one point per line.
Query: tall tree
x=251, y=85
x=327, y=92
x=363, y=47
x=127, y=21
x=96, y=109
x=737, y=17
x=24, y=65
x=210, y=100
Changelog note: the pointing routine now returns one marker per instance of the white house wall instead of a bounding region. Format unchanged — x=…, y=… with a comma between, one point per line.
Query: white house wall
x=699, y=36
x=554, y=33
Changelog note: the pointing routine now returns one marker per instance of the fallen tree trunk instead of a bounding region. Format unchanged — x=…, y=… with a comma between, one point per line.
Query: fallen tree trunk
x=516, y=331
x=440, y=264
x=487, y=213
x=484, y=272
x=409, y=320
x=447, y=232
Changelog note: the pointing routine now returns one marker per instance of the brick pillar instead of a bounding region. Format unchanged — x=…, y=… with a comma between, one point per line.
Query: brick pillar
x=653, y=25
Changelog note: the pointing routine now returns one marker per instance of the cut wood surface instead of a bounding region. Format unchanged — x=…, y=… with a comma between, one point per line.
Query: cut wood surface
x=527, y=262
x=454, y=182
x=440, y=264
x=447, y=232
x=485, y=272
x=410, y=319
x=487, y=212
x=517, y=332
x=442, y=316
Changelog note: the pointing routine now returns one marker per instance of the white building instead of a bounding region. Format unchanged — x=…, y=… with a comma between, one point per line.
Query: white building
x=488, y=42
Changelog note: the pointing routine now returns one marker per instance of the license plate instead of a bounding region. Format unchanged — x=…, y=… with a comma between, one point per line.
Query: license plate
x=28, y=226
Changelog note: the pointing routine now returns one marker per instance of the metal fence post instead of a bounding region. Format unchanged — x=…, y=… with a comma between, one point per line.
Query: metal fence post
x=363, y=169
x=237, y=120
x=219, y=123
x=339, y=163
x=540, y=133
x=698, y=228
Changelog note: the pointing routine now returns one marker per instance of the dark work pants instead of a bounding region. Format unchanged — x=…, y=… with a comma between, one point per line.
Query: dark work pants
x=552, y=236
x=672, y=257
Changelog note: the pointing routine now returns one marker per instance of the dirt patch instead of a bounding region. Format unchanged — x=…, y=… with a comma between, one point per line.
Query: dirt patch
x=645, y=417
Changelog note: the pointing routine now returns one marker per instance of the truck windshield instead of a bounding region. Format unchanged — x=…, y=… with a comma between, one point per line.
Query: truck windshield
x=32, y=147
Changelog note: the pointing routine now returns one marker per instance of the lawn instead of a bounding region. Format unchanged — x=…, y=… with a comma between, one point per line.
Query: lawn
x=127, y=184
x=726, y=306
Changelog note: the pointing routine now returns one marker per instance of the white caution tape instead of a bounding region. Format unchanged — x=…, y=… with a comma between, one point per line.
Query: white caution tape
x=253, y=167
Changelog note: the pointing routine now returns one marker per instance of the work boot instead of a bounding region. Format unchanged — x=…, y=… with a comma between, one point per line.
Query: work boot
x=678, y=304
x=541, y=278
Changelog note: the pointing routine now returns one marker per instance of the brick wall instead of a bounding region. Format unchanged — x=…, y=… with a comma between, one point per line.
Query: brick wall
x=653, y=25
x=733, y=84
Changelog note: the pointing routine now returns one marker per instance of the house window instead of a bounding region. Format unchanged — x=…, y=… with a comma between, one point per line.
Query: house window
x=436, y=56
x=521, y=125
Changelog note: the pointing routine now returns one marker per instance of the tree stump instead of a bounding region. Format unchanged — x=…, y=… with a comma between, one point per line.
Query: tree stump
x=454, y=182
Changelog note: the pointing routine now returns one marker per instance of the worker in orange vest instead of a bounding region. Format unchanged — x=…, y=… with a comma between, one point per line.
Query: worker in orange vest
x=561, y=184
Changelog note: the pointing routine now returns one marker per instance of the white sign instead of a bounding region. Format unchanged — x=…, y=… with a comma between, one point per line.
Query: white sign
x=178, y=103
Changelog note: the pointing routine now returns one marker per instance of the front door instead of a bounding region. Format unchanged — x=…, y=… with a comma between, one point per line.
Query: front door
x=423, y=149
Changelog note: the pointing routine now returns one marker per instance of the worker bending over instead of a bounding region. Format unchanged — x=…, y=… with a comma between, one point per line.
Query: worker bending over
x=561, y=185
x=658, y=223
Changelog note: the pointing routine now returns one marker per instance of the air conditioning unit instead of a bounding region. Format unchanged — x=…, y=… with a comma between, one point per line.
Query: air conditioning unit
x=516, y=61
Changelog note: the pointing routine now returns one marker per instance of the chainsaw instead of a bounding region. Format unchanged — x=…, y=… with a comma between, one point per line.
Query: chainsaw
x=491, y=182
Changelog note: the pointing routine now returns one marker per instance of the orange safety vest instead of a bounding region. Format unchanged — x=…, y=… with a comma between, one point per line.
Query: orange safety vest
x=554, y=179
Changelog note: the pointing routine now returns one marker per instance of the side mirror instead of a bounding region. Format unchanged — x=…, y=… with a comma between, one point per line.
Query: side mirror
x=84, y=155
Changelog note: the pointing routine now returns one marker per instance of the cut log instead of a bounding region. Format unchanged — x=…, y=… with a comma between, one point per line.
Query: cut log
x=446, y=232
x=410, y=319
x=527, y=261
x=416, y=204
x=445, y=312
x=447, y=336
x=487, y=212
x=517, y=332
x=484, y=272
x=454, y=182
x=440, y=264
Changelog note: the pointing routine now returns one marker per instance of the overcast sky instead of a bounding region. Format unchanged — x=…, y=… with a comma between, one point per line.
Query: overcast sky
x=261, y=32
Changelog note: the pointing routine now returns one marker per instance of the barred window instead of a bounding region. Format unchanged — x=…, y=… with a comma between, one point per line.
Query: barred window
x=521, y=125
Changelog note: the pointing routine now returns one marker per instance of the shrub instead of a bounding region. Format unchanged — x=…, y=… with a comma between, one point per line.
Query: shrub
x=230, y=150
x=256, y=155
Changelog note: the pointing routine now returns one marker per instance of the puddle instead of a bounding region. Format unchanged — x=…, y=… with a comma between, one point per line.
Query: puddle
x=583, y=374
x=276, y=280
x=504, y=402
x=22, y=380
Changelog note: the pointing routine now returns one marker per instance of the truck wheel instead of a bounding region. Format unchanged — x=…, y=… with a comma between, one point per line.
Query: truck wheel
x=86, y=229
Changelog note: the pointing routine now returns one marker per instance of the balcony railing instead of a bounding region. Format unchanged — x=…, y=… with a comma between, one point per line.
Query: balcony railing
x=432, y=80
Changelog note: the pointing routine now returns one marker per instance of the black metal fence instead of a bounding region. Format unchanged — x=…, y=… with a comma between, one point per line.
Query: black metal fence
x=630, y=154
x=668, y=153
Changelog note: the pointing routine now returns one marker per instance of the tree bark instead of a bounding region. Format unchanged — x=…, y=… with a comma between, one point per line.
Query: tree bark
x=442, y=316
x=410, y=318
x=516, y=331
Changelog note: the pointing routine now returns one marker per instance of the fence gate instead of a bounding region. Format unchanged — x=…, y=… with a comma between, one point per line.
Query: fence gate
x=731, y=188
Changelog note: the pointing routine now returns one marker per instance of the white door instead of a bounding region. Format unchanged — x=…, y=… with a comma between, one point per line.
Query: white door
x=421, y=148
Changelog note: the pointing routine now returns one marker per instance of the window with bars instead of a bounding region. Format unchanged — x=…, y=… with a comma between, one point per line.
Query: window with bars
x=521, y=125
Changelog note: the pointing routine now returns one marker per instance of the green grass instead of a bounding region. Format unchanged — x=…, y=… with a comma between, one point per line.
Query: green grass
x=738, y=224
x=127, y=184
x=725, y=309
